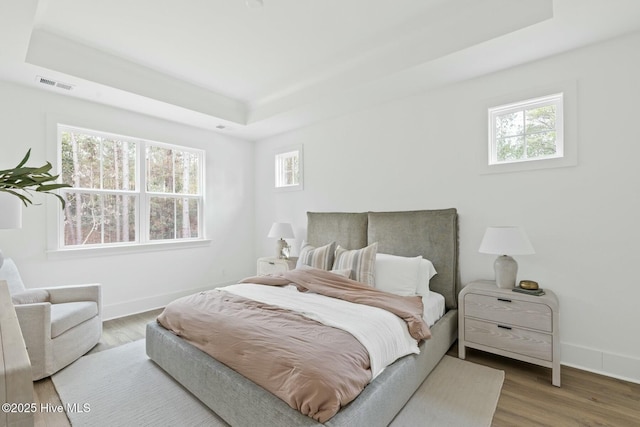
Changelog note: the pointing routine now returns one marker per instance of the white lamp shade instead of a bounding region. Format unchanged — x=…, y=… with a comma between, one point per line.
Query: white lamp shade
x=506, y=241
x=10, y=211
x=281, y=230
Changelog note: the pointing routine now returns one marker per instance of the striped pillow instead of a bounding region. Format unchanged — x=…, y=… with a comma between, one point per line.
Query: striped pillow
x=362, y=262
x=321, y=257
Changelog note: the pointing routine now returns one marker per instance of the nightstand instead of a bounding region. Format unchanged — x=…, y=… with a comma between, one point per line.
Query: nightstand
x=511, y=324
x=271, y=265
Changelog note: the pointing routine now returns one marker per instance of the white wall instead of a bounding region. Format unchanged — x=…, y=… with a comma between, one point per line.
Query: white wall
x=423, y=152
x=132, y=282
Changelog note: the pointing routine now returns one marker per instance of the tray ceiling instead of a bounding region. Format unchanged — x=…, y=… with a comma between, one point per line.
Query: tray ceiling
x=263, y=71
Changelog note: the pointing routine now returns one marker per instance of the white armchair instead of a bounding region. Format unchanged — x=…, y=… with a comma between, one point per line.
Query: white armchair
x=59, y=324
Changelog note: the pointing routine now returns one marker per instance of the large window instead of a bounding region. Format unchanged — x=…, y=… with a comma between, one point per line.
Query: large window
x=128, y=191
x=526, y=131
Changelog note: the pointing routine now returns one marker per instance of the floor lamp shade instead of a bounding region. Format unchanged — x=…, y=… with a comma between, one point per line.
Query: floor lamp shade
x=10, y=214
x=506, y=241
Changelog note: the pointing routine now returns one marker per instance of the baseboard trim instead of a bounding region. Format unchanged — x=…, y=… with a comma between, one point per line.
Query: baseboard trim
x=127, y=308
x=613, y=365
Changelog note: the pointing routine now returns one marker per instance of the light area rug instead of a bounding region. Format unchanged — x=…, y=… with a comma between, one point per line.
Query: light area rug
x=123, y=387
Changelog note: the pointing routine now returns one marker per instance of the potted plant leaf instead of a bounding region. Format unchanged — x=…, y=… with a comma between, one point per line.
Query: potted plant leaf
x=22, y=180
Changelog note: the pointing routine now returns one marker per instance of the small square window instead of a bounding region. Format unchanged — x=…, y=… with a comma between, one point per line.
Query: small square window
x=526, y=131
x=288, y=169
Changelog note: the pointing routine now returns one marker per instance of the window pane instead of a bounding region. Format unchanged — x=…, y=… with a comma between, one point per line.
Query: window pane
x=82, y=221
x=88, y=166
x=162, y=218
x=95, y=219
x=509, y=124
x=186, y=172
x=187, y=218
x=173, y=218
x=160, y=170
x=288, y=169
x=119, y=218
x=510, y=148
x=291, y=170
x=541, y=144
x=66, y=157
x=81, y=160
x=541, y=119
x=84, y=155
x=118, y=165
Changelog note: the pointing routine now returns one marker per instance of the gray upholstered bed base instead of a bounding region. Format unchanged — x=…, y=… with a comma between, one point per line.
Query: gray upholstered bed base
x=240, y=402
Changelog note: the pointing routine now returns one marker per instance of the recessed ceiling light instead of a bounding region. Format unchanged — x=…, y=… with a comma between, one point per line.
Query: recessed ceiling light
x=254, y=4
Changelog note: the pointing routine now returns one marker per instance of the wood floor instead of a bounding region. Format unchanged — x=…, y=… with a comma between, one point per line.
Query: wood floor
x=527, y=399
x=585, y=399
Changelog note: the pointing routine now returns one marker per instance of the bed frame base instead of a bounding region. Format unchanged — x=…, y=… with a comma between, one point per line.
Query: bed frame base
x=240, y=402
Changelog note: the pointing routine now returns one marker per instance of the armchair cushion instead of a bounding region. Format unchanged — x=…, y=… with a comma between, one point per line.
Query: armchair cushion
x=65, y=316
x=30, y=296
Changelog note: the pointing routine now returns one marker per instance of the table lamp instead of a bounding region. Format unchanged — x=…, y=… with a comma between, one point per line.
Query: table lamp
x=10, y=214
x=506, y=241
x=282, y=230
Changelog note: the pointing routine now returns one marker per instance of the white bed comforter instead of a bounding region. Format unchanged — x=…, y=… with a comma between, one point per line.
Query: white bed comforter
x=384, y=335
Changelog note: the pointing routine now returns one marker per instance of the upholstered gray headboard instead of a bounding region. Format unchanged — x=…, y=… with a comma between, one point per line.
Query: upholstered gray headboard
x=430, y=233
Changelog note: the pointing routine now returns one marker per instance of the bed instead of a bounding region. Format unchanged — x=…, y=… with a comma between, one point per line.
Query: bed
x=432, y=234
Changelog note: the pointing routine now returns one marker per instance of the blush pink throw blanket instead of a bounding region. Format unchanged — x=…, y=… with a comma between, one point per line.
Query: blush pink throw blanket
x=410, y=309
x=315, y=368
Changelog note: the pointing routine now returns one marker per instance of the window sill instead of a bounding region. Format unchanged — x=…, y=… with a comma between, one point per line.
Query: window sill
x=297, y=187
x=125, y=249
x=556, y=162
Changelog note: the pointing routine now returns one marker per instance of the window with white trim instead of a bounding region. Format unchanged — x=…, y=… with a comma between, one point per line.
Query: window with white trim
x=526, y=131
x=126, y=190
x=288, y=169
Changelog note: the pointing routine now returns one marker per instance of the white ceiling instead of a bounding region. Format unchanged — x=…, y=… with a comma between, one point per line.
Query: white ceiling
x=264, y=71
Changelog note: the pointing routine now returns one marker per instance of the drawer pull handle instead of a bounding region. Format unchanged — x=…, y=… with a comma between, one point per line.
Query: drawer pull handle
x=272, y=263
x=504, y=327
x=504, y=300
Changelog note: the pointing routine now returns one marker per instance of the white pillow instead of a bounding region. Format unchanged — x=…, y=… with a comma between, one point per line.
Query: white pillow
x=427, y=271
x=397, y=275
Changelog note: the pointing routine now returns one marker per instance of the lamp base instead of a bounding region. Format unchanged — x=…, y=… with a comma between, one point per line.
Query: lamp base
x=282, y=249
x=506, y=269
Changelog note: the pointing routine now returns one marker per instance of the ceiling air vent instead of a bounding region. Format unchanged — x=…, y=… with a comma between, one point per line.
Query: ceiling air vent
x=49, y=82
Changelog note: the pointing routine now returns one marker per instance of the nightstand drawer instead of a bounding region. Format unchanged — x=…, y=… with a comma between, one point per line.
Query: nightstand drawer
x=270, y=267
x=504, y=337
x=506, y=310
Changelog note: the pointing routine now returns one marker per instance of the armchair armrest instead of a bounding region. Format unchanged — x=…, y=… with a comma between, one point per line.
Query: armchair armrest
x=35, y=321
x=75, y=293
